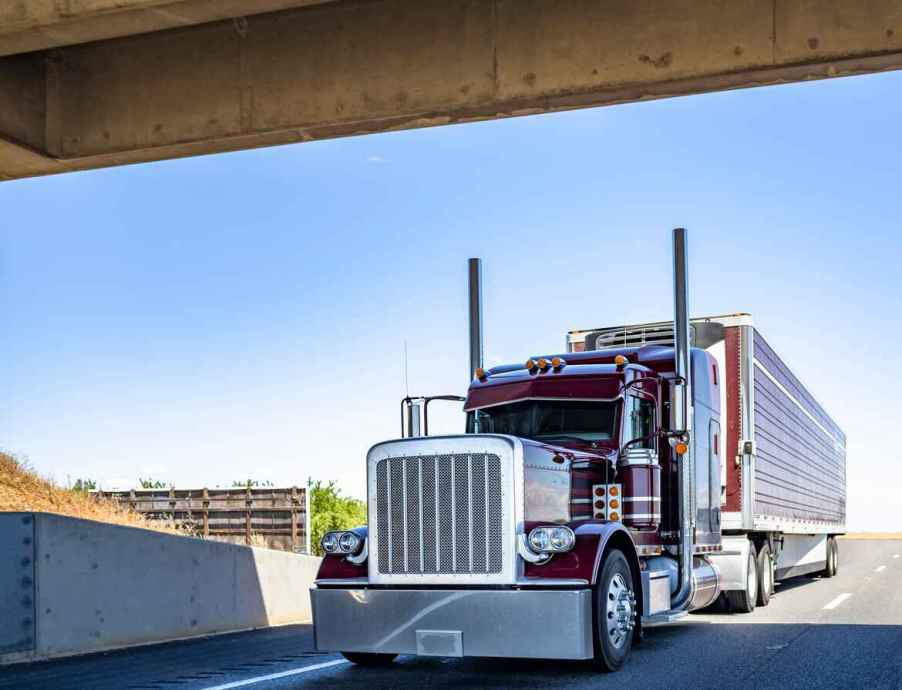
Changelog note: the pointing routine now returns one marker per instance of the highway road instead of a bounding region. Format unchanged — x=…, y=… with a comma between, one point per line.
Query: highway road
x=844, y=632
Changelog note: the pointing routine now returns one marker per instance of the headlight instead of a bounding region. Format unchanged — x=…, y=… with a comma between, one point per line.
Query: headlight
x=341, y=542
x=552, y=539
x=329, y=542
x=349, y=542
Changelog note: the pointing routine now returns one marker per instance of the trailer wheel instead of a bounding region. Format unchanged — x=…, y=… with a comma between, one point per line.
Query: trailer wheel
x=765, y=576
x=615, y=613
x=830, y=567
x=744, y=600
x=368, y=659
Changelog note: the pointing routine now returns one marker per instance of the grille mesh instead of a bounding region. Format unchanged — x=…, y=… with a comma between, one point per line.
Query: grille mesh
x=439, y=514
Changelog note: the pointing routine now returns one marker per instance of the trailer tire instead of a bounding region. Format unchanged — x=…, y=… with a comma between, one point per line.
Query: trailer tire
x=616, y=613
x=765, y=576
x=369, y=659
x=744, y=600
x=830, y=567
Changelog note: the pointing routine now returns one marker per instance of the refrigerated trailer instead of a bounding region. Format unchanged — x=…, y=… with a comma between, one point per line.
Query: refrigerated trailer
x=645, y=472
x=783, y=475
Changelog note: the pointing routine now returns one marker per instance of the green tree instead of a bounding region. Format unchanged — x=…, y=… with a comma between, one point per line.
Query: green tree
x=251, y=484
x=153, y=484
x=84, y=485
x=329, y=510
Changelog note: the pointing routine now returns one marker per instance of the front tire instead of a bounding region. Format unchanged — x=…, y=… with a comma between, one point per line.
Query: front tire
x=616, y=613
x=368, y=659
x=743, y=601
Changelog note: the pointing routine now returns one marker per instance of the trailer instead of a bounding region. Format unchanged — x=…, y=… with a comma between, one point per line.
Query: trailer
x=783, y=482
x=645, y=472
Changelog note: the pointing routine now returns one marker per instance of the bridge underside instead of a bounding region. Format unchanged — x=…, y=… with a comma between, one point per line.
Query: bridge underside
x=168, y=79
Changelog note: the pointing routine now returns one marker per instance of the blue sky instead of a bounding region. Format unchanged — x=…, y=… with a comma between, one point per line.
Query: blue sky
x=210, y=319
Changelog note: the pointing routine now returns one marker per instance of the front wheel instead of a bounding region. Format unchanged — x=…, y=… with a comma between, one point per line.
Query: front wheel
x=615, y=613
x=368, y=659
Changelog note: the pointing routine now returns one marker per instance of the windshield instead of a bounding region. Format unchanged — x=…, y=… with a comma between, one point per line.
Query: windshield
x=582, y=420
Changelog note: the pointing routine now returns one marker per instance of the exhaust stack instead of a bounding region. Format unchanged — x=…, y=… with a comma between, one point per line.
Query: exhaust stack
x=681, y=415
x=475, y=273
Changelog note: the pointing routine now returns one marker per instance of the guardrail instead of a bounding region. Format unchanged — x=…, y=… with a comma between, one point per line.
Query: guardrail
x=70, y=586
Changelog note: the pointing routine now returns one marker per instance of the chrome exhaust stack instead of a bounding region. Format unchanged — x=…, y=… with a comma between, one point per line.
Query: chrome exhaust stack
x=681, y=417
x=475, y=273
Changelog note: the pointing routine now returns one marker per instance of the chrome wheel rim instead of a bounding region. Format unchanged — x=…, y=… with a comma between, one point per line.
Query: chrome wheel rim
x=619, y=611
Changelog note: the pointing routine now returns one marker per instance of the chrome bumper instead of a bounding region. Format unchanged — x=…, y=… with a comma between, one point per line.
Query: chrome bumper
x=549, y=624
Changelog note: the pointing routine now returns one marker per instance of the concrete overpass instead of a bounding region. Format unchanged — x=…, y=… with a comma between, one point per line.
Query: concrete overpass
x=94, y=83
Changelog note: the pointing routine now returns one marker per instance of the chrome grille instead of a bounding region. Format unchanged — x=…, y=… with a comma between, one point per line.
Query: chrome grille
x=439, y=514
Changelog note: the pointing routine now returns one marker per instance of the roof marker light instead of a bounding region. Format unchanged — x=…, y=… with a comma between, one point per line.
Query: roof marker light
x=558, y=363
x=531, y=365
x=681, y=448
x=620, y=360
x=481, y=374
x=543, y=364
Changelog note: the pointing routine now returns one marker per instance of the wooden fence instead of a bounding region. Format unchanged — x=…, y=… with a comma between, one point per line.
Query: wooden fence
x=277, y=516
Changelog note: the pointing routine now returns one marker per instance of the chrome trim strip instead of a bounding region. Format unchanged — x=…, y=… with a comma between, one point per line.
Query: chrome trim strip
x=420, y=505
x=485, y=467
x=453, y=522
x=388, y=527
x=404, y=512
x=349, y=581
x=438, y=541
x=650, y=499
x=470, y=511
x=527, y=554
x=642, y=516
x=551, y=582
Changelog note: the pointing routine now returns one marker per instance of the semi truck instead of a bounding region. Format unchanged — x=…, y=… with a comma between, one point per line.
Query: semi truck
x=644, y=472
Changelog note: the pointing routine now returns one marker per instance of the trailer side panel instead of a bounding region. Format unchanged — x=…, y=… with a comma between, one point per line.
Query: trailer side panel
x=800, y=461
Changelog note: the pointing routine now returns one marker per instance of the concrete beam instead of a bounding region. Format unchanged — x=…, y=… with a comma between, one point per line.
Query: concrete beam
x=29, y=25
x=347, y=68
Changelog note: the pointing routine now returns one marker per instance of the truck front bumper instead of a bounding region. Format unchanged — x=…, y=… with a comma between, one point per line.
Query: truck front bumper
x=534, y=623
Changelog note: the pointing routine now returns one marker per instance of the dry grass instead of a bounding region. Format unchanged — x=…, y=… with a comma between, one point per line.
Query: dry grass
x=22, y=489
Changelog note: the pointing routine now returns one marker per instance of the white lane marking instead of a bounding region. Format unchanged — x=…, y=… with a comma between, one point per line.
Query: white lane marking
x=274, y=676
x=840, y=599
x=880, y=569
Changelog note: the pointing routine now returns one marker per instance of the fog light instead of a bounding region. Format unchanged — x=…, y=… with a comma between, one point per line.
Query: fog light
x=556, y=539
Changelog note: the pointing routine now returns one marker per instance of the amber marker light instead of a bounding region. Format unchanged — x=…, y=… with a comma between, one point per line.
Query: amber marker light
x=613, y=491
x=531, y=365
x=621, y=361
x=615, y=516
x=542, y=364
x=557, y=363
x=481, y=374
x=614, y=503
x=681, y=448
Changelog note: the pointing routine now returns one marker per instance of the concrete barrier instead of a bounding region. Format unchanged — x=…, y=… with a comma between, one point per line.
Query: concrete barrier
x=73, y=586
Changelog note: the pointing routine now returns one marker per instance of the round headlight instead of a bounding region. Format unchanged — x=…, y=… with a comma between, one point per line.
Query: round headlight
x=562, y=539
x=329, y=542
x=539, y=540
x=555, y=539
x=349, y=542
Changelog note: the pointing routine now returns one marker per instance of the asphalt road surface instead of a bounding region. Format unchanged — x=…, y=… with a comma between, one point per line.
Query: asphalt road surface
x=843, y=632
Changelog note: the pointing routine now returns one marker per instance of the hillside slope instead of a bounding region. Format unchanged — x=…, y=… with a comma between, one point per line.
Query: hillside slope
x=24, y=490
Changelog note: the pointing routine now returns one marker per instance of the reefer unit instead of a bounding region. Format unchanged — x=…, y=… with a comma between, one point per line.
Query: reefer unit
x=785, y=458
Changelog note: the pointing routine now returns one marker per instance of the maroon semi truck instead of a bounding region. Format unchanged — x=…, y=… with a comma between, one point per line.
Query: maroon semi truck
x=637, y=476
